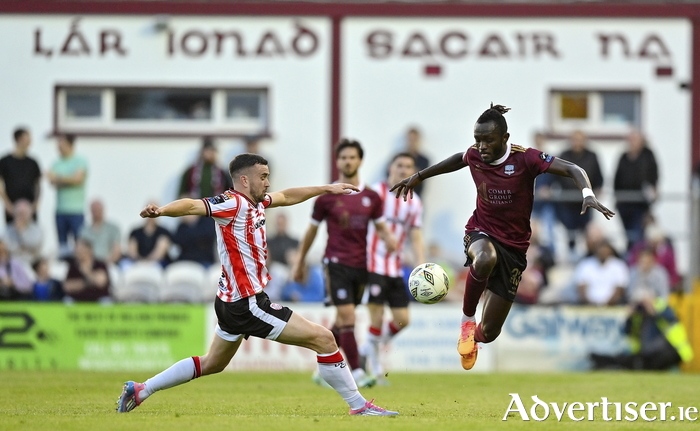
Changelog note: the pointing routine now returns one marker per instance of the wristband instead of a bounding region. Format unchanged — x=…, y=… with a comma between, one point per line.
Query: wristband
x=586, y=192
x=418, y=173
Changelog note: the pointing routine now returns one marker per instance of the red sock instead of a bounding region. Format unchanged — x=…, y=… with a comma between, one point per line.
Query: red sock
x=375, y=331
x=393, y=328
x=472, y=292
x=479, y=335
x=349, y=346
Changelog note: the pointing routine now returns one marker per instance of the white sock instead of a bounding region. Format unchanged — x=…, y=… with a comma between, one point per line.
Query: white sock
x=466, y=318
x=334, y=370
x=179, y=373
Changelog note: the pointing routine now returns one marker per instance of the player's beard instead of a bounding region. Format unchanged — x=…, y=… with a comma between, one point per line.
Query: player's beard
x=349, y=174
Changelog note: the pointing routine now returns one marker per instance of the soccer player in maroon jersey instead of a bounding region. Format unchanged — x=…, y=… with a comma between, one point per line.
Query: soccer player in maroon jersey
x=347, y=218
x=497, y=235
x=242, y=307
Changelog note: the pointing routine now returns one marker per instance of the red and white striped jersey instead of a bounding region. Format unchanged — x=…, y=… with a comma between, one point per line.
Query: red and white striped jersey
x=242, y=244
x=400, y=217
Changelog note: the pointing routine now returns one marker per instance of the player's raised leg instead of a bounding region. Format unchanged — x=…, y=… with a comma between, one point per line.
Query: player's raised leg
x=219, y=355
x=331, y=365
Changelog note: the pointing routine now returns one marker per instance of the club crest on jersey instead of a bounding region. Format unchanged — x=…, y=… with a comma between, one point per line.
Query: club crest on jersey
x=366, y=201
x=546, y=157
x=509, y=170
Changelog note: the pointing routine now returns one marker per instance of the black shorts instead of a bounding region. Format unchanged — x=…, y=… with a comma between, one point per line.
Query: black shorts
x=387, y=290
x=345, y=284
x=510, y=264
x=254, y=315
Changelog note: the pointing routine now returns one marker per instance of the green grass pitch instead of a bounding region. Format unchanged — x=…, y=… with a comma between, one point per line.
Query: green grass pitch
x=55, y=401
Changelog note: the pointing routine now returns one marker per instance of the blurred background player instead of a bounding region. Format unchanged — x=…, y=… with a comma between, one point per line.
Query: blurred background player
x=386, y=283
x=497, y=235
x=242, y=307
x=347, y=218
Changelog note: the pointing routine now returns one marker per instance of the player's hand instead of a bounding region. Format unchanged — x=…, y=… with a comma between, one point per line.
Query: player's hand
x=405, y=187
x=298, y=272
x=592, y=202
x=151, y=211
x=342, y=189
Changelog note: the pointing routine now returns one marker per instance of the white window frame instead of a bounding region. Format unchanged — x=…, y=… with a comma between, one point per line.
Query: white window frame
x=595, y=122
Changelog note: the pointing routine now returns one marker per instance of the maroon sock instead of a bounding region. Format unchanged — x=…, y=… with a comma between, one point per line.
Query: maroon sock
x=479, y=335
x=472, y=292
x=349, y=346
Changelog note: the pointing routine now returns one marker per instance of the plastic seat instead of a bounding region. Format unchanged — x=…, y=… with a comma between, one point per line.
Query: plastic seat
x=141, y=283
x=183, y=281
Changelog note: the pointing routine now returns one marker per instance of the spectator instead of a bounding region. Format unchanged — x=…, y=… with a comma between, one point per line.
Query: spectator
x=105, y=236
x=281, y=243
x=413, y=143
x=534, y=277
x=205, y=177
x=648, y=281
x=87, y=279
x=568, y=207
x=68, y=175
x=19, y=176
x=45, y=288
x=196, y=238
x=15, y=277
x=149, y=243
x=601, y=279
x=664, y=254
x=310, y=289
x=24, y=237
x=635, y=186
x=543, y=208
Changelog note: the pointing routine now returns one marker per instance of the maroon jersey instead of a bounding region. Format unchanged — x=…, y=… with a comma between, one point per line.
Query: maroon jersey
x=347, y=218
x=505, y=193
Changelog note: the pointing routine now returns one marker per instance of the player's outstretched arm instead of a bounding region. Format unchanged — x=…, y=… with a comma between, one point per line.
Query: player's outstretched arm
x=300, y=262
x=405, y=187
x=575, y=172
x=178, y=208
x=297, y=195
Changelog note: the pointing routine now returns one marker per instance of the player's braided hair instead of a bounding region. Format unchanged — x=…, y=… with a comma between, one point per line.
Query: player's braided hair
x=495, y=114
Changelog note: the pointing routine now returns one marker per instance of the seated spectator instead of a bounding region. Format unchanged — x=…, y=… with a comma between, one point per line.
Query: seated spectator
x=658, y=341
x=24, y=237
x=534, y=278
x=656, y=240
x=149, y=243
x=648, y=281
x=15, y=277
x=196, y=239
x=45, y=288
x=87, y=279
x=104, y=235
x=313, y=288
x=280, y=243
x=601, y=279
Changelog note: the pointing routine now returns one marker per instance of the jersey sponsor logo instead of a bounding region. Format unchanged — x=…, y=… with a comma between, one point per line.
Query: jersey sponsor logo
x=546, y=157
x=509, y=170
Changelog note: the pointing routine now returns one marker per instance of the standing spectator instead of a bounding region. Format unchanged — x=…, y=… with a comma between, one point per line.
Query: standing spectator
x=15, y=278
x=568, y=207
x=386, y=284
x=45, y=288
x=149, y=243
x=19, y=176
x=602, y=279
x=196, y=238
x=635, y=185
x=24, y=237
x=280, y=243
x=87, y=279
x=413, y=144
x=543, y=208
x=68, y=175
x=105, y=236
x=205, y=177
x=347, y=218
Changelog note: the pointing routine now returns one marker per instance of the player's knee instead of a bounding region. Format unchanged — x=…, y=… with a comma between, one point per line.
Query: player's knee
x=325, y=341
x=490, y=333
x=484, y=262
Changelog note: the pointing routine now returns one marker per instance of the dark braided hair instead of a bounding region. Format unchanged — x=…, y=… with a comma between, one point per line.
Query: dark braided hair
x=495, y=114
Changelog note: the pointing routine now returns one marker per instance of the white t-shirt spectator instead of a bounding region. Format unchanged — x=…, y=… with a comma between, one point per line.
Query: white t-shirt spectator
x=601, y=279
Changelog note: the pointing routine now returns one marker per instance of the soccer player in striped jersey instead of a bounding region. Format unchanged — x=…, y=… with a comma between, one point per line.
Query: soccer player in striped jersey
x=498, y=233
x=347, y=218
x=242, y=307
x=385, y=283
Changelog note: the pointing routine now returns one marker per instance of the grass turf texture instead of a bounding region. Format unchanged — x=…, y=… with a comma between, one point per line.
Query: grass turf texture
x=55, y=401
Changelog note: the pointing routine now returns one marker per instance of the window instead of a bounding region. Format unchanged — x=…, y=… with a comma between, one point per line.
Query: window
x=598, y=111
x=167, y=111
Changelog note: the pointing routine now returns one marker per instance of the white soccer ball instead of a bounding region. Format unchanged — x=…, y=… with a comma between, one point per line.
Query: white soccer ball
x=428, y=283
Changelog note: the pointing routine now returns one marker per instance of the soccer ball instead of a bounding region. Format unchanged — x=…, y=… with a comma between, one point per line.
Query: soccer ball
x=428, y=283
